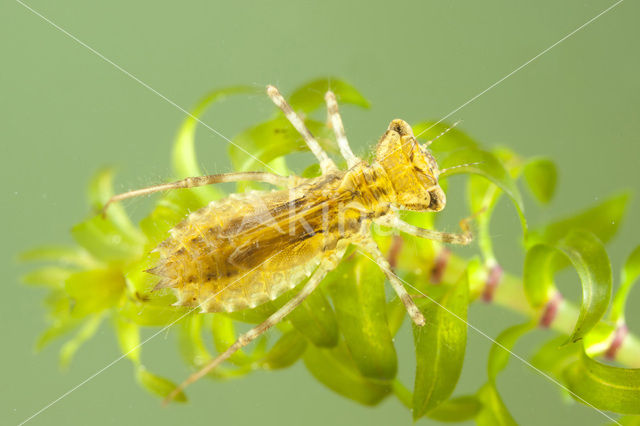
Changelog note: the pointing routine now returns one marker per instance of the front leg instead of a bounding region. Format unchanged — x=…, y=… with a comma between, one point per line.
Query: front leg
x=375, y=255
x=393, y=221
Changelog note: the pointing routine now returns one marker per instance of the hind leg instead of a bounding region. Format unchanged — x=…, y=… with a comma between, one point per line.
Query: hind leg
x=192, y=182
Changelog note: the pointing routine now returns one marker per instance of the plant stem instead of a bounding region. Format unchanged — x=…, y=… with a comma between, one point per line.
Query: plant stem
x=510, y=294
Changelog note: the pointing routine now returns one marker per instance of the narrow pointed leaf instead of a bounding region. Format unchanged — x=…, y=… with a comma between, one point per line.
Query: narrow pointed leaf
x=629, y=276
x=335, y=369
x=65, y=255
x=541, y=176
x=157, y=385
x=100, y=191
x=48, y=276
x=603, y=386
x=310, y=96
x=440, y=347
x=358, y=294
x=86, y=332
x=128, y=334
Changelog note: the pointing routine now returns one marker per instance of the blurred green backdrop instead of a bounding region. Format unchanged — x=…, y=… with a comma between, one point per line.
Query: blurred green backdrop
x=66, y=112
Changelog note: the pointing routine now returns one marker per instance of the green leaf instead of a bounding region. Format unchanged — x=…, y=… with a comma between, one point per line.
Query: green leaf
x=485, y=164
x=157, y=385
x=285, y=352
x=310, y=96
x=169, y=211
x=336, y=369
x=501, y=349
x=589, y=257
x=316, y=320
x=458, y=409
x=493, y=412
x=605, y=387
x=602, y=220
x=554, y=356
x=86, y=332
x=224, y=335
x=95, y=290
x=185, y=163
x=358, y=295
x=541, y=176
x=271, y=140
x=50, y=276
x=157, y=312
x=105, y=241
x=629, y=421
x=629, y=276
x=99, y=192
x=440, y=347
x=65, y=255
x=453, y=140
x=128, y=334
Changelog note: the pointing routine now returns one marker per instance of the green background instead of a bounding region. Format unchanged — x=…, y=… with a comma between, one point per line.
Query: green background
x=66, y=112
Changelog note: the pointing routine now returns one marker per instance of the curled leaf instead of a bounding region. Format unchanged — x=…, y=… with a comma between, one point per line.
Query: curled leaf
x=185, y=163
x=285, y=352
x=335, y=369
x=602, y=220
x=448, y=138
x=310, y=96
x=485, y=164
x=501, y=348
x=589, y=257
x=86, y=332
x=629, y=276
x=603, y=386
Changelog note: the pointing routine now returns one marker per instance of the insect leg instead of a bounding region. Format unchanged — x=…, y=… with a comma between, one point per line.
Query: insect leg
x=257, y=331
x=370, y=246
x=326, y=164
x=445, y=237
x=192, y=182
x=338, y=129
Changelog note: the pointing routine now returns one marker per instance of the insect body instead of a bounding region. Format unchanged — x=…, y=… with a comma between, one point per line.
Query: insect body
x=249, y=248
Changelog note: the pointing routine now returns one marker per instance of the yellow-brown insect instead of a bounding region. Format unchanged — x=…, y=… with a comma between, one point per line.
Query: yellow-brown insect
x=250, y=248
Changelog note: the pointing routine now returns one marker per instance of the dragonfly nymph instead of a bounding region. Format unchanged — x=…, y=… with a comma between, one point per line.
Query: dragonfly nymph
x=249, y=248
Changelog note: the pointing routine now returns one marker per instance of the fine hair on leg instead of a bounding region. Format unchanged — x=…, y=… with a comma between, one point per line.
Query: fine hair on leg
x=395, y=222
x=375, y=255
x=326, y=164
x=192, y=182
x=338, y=129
